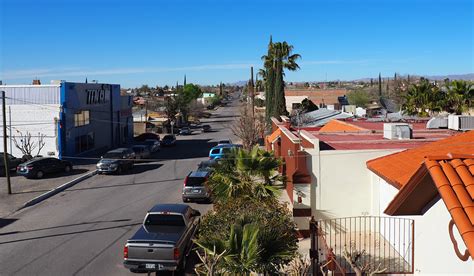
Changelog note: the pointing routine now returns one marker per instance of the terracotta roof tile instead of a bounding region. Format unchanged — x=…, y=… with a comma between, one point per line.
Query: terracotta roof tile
x=398, y=168
x=454, y=181
x=341, y=126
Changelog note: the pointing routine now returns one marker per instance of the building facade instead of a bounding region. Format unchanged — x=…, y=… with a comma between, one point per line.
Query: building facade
x=72, y=119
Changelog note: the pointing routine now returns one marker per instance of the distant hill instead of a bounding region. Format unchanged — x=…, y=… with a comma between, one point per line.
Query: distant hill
x=469, y=77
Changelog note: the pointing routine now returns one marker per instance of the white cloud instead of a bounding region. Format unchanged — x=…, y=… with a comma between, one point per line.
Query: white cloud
x=69, y=72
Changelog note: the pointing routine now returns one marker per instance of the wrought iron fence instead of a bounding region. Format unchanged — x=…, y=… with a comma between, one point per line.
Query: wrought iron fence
x=383, y=243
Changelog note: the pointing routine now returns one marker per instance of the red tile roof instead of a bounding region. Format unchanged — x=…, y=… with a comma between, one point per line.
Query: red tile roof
x=341, y=126
x=398, y=168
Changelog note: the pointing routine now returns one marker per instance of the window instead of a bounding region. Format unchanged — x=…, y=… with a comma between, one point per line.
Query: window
x=81, y=118
x=164, y=220
x=84, y=142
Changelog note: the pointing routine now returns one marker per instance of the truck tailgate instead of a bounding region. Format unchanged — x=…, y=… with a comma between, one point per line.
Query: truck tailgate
x=153, y=251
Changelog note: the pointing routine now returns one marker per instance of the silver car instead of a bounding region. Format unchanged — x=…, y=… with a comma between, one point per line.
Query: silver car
x=116, y=161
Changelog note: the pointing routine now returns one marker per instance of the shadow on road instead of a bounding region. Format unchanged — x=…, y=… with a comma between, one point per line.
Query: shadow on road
x=186, y=149
x=5, y=222
x=141, y=167
x=61, y=226
x=122, y=185
x=72, y=233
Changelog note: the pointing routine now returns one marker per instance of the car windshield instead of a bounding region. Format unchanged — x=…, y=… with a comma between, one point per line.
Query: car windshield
x=113, y=155
x=164, y=220
x=168, y=137
x=224, y=142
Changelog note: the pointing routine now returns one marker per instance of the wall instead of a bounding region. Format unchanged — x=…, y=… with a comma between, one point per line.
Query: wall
x=434, y=252
x=35, y=109
x=342, y=183
x=34, y=119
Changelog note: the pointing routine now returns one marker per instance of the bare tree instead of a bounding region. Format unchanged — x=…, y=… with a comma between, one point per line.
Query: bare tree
x=299, y=266
x=249, y=128
x=209, y=263
x=26, y=143
x=354, y=258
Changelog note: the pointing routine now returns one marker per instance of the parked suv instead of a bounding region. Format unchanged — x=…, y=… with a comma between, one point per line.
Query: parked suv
x=116, y=161
x=40, y=166
x=195, y=186
x=219, y=151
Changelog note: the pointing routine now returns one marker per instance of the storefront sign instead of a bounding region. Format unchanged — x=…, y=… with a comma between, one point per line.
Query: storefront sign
x=97, y=96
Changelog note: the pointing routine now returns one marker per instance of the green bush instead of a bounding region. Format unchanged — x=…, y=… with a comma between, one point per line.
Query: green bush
x=277, y=241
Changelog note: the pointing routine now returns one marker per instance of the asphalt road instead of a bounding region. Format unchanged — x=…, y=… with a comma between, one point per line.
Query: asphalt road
x=82, y=230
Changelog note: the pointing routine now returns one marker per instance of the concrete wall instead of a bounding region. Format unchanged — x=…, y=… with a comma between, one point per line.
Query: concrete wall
x=434, y=252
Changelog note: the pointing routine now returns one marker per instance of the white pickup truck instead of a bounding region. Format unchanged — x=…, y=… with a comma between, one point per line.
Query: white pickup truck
x=163, y=241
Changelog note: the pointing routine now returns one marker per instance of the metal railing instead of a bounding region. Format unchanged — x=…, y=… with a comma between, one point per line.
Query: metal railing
x=380, y=243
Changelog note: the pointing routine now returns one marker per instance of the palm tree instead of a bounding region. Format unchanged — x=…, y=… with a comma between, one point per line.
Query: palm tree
x=460, y=96
x=240, y=250
x=279, y=57
x=245, y=173
x=423, y=99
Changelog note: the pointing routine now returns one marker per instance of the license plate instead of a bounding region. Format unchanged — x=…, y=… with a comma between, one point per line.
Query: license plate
x=150, y=266
x=196, y=191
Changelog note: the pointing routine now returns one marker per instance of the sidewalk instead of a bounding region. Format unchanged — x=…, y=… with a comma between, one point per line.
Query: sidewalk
x=24, y=189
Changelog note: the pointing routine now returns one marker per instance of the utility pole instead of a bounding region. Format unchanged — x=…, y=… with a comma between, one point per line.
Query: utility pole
x=5, y=156
x=252, y=91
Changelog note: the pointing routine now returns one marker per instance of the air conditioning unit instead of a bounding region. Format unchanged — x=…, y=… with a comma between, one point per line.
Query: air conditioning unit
x=460, y=122
x=397, y=131
x=437, y=122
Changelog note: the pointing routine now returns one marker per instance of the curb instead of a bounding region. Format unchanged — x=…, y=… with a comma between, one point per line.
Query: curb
x=58, y=189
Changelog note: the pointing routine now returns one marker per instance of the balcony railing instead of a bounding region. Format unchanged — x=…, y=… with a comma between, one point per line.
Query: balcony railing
x=381, y=243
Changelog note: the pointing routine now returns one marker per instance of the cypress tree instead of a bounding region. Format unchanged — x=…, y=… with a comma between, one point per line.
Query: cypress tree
x=380, y=85
x=279, y=89
x=270, y=82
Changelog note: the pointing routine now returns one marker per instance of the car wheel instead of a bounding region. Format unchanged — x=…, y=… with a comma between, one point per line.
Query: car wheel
x=119, y=170
x=39, y=174
x=67, y=169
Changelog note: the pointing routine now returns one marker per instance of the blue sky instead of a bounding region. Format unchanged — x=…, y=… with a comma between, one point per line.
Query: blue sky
x=138, y=42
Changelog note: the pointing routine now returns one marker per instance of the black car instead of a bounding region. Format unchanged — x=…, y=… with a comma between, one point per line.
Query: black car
x=206, y=128
x=39, y=167
x=12, y=162
x=168, y=140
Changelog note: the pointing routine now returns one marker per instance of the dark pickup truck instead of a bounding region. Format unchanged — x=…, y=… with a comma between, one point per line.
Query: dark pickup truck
x=164, y=240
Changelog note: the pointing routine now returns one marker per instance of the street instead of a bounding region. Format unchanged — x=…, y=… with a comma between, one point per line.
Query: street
x=82, y=230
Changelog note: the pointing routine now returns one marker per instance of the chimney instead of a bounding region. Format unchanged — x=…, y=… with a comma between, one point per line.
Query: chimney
x=36, y=82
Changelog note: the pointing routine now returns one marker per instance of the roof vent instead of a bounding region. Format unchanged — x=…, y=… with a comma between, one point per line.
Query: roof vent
x=460, y=122
x=397, y=131
x=437, y=122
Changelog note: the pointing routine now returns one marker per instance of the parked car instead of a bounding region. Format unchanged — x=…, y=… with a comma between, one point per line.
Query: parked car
x=195, y=186
x=146, y=136
x=12, y=163
x=153, y=145
x=38, y=167
x=116, y=161
x=168, y=140
x=185, y=131
x=206, y=128
x=224, y=142
x=141, y=151
x=206, y=165
x=163, y=241
x=219, y=151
